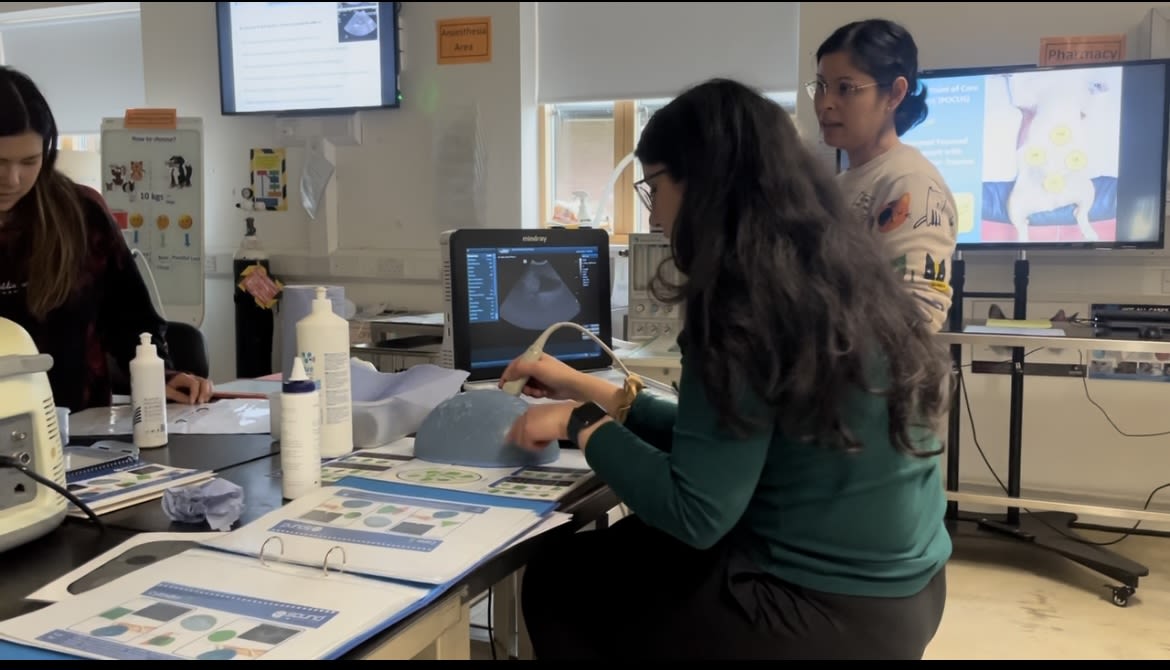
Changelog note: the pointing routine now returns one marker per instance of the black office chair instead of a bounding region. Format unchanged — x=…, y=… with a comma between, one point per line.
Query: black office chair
x=188, y=349
x=188, y=354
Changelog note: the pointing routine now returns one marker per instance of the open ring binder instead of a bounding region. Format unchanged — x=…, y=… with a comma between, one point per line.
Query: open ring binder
x=264, y=547
x=325, y=563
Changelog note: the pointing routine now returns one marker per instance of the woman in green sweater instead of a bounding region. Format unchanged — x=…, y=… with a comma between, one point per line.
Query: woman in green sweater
x=790, y=504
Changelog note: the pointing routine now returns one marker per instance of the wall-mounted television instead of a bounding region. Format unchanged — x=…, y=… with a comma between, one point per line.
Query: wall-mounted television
x=307, y=57
x=1052, y=157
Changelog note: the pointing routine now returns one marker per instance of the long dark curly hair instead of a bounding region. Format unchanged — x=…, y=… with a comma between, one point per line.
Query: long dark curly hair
x=784, y=294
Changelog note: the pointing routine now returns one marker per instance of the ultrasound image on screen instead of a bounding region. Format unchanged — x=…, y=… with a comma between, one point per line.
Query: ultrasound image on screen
x=539, y=298
x=514, y=294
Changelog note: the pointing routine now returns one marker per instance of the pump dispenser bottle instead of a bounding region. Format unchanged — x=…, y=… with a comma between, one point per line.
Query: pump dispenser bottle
x=323, y=344
x=148, y=395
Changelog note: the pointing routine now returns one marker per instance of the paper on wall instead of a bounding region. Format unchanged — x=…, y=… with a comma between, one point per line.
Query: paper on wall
x=315, y=176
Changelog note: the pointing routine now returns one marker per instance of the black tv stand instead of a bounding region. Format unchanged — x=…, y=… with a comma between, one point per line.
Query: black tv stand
x=1054, y=531
x=1047, y=530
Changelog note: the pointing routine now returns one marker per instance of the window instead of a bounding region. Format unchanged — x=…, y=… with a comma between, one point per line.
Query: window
x=79, y=158
x=580, y=146
x=583, y=155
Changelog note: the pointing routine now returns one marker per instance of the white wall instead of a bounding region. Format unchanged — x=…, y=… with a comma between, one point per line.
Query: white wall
x=87, y=67
x=1068, y=445
x=387, y=186
x=592, y=51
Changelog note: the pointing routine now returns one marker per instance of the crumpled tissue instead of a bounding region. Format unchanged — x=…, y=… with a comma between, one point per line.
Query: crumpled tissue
x=217, y=501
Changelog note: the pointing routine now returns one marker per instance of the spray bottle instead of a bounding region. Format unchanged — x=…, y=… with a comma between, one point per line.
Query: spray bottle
x=148, y=395
x=323, y=347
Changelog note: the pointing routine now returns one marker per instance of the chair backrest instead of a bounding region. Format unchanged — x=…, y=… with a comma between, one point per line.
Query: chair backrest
x=188, y=349
x=188, y=354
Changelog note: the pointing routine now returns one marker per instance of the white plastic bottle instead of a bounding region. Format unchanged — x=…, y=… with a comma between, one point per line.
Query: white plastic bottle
x=323, y=347
x=148, y=395
x=300, y=434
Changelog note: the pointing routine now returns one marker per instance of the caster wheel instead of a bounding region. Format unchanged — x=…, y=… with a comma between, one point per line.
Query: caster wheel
x=1121, y=595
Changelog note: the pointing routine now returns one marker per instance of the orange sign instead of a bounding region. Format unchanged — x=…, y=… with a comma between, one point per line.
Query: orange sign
x=465, y=40
x=157, y=119
x=1082, y=49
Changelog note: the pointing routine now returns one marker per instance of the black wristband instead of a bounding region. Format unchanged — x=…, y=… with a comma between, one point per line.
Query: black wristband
x=582, y=417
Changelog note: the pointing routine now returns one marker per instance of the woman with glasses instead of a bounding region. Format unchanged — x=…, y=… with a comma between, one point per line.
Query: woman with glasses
x=867, y=95
x=789, y=505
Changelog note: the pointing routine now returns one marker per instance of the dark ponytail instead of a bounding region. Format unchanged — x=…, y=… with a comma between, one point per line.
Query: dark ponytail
x=913, y=109
x=885, y=51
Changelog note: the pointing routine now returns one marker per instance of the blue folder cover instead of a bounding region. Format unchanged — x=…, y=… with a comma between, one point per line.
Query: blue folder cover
x=13, y=652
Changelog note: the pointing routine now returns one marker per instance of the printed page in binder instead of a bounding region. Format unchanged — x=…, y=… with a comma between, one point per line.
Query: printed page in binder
x=396, y=463
x=426, y=536
x=207, y=605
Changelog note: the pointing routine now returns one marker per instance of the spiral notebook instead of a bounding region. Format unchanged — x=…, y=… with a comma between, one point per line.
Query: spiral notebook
x=300, y=582
x=110, y=476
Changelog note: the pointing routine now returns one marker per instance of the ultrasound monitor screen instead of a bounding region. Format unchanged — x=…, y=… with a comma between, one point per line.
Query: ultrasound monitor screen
x=514, y=293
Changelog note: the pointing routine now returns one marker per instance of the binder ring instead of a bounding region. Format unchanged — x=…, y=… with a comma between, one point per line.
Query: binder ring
x=325, y=563
x=264, y=546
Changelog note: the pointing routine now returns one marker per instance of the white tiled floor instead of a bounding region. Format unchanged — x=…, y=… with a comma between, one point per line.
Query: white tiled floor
x=1009, y=600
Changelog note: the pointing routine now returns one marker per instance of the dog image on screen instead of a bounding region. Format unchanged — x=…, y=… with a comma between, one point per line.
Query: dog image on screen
x=1053, y=147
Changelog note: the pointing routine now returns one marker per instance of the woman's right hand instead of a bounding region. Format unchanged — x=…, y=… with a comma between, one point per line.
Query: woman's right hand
x=548, y=377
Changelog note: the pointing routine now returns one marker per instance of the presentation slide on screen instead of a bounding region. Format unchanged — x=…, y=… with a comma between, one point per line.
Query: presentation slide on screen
x=306, y=55
x=1029, y=156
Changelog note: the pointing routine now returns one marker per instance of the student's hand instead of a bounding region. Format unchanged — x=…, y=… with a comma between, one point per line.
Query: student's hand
x=189, y=389
x=541, y=425
x=548, y=378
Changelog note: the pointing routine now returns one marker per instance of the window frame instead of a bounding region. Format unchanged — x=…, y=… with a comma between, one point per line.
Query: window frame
x=624, y=125
x=628, y=119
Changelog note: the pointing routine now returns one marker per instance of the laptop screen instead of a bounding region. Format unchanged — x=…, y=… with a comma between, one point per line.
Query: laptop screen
x=507, y=292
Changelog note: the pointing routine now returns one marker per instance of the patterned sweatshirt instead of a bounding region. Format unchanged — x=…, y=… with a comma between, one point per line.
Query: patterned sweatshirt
x=902, y=195
x=100, y=323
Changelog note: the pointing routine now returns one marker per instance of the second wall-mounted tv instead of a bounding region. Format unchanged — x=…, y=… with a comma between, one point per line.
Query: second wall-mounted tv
x=307, y=57
x=1059, y=157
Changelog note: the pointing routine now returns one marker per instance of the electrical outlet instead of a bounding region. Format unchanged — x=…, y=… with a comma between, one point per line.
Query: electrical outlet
x=391, y=268
x=1165, y=281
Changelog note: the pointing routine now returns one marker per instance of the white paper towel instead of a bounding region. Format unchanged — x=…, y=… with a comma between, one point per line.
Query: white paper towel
x=296, y=302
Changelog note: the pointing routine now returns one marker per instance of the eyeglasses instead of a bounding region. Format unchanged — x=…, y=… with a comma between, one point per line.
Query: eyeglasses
x=843, y=89
x=645, y=192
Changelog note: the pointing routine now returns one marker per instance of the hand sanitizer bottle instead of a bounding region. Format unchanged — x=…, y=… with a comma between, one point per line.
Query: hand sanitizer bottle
x=148, y=395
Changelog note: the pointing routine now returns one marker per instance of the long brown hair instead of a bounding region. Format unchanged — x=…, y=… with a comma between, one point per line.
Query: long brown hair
x=782, y=298
x=51, y=213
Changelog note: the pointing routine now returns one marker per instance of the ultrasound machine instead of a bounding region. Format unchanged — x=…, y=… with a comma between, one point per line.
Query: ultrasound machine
x=503, y=287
